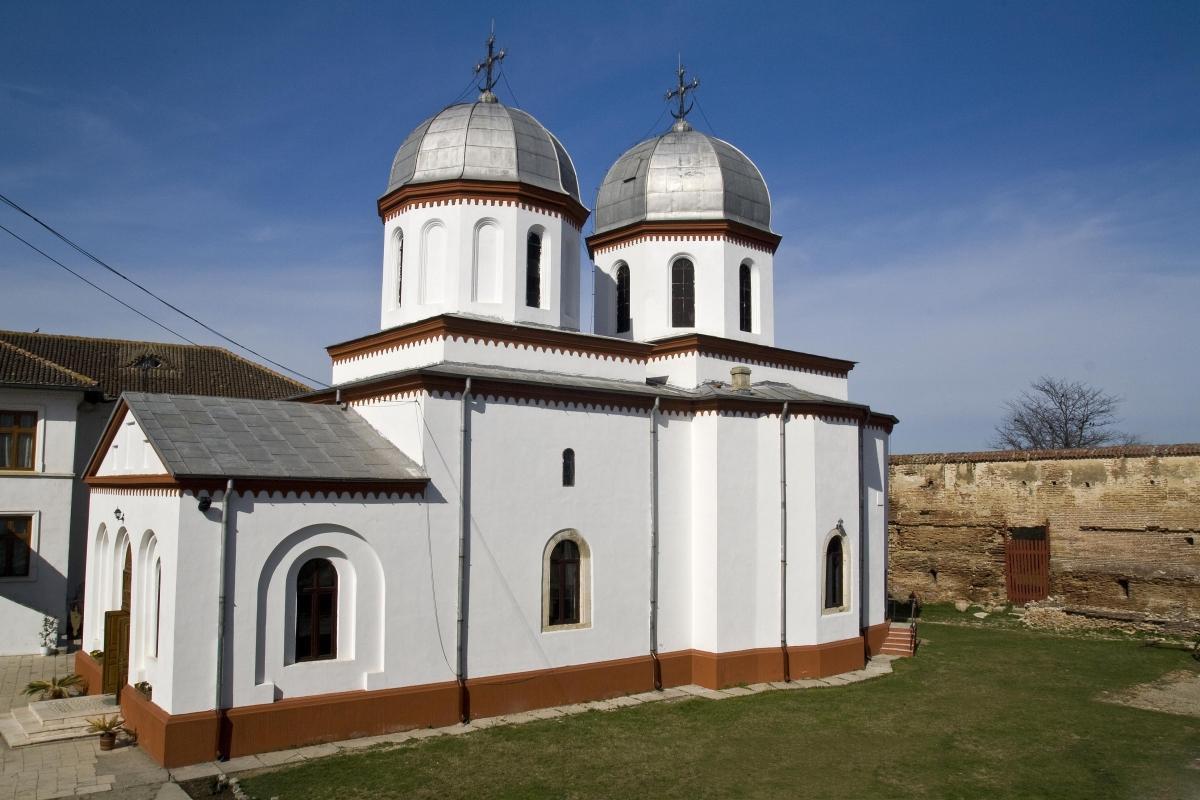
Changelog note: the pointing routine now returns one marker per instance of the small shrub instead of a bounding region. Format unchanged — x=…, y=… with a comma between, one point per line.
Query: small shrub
x=105, y=724
x=56, y=688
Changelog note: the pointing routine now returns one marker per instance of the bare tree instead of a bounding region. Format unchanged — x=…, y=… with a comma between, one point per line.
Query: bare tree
x=1058, y=414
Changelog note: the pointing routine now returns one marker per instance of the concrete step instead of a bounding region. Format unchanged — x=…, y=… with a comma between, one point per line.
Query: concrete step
x=55, y=720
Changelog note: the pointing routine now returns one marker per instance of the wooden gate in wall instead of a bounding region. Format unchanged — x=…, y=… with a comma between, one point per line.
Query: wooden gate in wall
x=115, y=670
x=1027, y=564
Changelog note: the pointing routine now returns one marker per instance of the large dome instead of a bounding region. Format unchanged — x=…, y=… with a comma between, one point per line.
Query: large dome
x=683, y=175
x=484, y=141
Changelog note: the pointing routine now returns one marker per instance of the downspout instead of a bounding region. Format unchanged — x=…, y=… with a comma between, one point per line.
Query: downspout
x=464, y=528
x=783, y=646
x=222, y=551
x=654, y=544
x=863, y=586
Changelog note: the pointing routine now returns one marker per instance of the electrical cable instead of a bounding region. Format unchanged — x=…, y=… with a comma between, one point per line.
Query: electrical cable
x=507, y=85
x=141, y=314
x=711, y=129
x=166, y=303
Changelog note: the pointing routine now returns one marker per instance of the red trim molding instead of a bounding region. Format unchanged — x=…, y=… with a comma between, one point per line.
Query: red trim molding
x=506, y=192
x=875, y=636
x=414, y=487
x=688, y=229
x=90, y=670
x=749, y=352
x=176, y=740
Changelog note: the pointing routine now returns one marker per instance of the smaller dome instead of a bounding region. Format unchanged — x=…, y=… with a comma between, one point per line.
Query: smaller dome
x=484, y=141
x=683, y=175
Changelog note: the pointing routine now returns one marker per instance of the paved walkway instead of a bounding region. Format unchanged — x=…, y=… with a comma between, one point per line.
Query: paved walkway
x=66, y=769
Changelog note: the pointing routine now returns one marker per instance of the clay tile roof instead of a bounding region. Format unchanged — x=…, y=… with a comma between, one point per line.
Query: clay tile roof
x=21, y=368
x=114, y=366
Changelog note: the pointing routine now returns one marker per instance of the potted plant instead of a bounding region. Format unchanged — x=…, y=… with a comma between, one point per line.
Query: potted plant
x=49, y=636
x=107, y=727
x=56, y=688
x=145, y=688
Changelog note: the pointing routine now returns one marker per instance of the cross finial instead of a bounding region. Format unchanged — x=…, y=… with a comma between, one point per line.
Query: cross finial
x=486, y=95
x=680, y=91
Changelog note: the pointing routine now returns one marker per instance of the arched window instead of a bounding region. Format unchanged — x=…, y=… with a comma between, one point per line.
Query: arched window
x=398, y=258
x=564, y=584
x=316, y=610
x=745, y=299
x=568, y=467
x=533, y=270
x=683, y=294
x=834, y=561
x=622, y=299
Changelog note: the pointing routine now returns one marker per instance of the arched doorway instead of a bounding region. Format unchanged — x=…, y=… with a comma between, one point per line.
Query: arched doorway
x=116, y=632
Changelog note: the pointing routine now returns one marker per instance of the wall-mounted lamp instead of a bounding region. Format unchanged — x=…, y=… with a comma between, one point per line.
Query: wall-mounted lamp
x=119, y=515
x=204, y=504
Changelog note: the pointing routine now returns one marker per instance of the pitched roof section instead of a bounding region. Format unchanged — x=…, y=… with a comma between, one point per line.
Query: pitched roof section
x=114, y=366
x=21, y=368
x=218, y=437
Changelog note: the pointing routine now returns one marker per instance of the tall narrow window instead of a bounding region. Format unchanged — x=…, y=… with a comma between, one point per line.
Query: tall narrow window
x=398, y=257
x=316, y=611
x=568, y=467
x=683, y=294
x=745, y=299
x=157, y=603
x=17, y=432
x=833, y=574
x=14, y=546
x=533, y=270
x=564, y=584
x=622, y=299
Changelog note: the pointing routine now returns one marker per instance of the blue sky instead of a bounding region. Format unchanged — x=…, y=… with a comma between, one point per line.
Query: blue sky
x=971, y=194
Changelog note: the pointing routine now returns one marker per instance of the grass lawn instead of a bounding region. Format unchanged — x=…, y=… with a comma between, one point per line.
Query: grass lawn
x=981, y=712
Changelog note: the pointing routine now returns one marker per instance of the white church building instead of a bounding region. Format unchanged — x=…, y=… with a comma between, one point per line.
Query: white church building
x=491, y=510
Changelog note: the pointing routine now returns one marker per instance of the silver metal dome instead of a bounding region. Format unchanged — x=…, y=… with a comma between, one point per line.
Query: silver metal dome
x=484, y=141
x=683, y=175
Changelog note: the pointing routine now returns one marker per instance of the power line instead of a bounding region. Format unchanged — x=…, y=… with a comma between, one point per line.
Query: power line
x=508, y=86
x=94, y=286
x=700, y=106
x=169, y=305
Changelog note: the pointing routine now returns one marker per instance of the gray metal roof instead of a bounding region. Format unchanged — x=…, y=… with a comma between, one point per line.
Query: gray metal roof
x=683, y=175
x=484, y=141
x=207, y=437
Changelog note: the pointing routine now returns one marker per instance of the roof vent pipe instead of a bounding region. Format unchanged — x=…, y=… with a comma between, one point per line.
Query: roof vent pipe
x=740, y=378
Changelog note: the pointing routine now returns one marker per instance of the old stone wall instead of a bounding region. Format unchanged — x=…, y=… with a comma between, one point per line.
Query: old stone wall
x=1122, y=525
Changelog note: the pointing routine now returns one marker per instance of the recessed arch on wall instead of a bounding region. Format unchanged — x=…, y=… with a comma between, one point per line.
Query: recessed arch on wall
x=398, y=265
x=146, y=596
x=97, y=585
x=566, y=582
x=433, y=261
x=487, y=274
x=360, y=627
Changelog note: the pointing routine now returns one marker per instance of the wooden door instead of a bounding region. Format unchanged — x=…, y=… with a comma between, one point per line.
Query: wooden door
x=1027, y=564
x=116, y=651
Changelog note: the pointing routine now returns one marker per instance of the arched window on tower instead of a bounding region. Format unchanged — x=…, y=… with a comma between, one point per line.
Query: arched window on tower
x=623, y=299
x=568, y=467
x=683, y=294
x=745, y=299
x=398, y=260
x=316, y=610
x=834, y=566
x=533, y=270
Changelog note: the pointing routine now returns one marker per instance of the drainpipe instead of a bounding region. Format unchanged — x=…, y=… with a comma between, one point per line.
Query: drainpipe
x=654, y=544
x=863, y=584
x=464, y=529
x=787, y=671
x=223, y=549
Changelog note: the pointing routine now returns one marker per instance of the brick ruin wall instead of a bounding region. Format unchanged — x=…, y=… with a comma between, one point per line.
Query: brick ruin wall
x=1118, y=519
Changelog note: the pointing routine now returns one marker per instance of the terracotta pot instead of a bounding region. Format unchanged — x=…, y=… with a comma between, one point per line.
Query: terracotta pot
x=107, y=740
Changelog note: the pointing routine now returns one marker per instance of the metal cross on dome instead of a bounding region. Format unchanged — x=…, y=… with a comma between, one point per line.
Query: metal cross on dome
x=485, y=90
x=681, y=91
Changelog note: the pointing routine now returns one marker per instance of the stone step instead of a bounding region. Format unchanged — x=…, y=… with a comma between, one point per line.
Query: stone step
x=51, y=713
x=55, y=720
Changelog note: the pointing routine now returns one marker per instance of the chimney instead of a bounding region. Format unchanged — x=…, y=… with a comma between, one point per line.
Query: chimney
x=740, y=378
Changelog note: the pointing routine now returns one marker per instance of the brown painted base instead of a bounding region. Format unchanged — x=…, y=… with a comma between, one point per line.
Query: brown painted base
x=875, y=636
x=90, y=670
x=176, y=740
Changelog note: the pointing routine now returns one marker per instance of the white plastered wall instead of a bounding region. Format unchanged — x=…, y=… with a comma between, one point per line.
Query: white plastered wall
x=448, y=285
x=716, y=265
x=45, y=494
